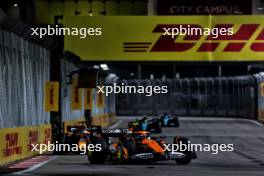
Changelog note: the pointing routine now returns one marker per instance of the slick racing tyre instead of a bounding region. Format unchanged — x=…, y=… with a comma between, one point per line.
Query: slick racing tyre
x=155, y=126
x=159, y=127
x=98, y=157
x=188, y=154
x=119, y=155
x=176, y=122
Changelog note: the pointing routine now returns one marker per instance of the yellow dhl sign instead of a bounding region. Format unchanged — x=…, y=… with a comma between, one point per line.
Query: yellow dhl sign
x=16, y=143
x=100, y=100
x=51, y=96
x=76, y=95
x=88, y=99
x=142, y=38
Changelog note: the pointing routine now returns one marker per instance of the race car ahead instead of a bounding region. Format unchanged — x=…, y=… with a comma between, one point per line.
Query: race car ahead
x=134, y=146
x=153, y=125
x=169, y=121
x=75, y=135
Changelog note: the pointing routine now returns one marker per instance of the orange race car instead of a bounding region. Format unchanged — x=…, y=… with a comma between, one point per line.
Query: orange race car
x=75, y=136
x=124, y=145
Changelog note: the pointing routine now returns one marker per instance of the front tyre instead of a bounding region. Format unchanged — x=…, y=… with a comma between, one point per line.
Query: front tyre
x=176, y=122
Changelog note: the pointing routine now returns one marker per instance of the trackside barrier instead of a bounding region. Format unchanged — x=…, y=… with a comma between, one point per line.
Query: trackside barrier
x=112, y=118
x=102, y=120
x=16, y=142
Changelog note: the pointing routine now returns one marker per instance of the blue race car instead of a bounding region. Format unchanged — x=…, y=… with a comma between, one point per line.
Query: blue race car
x=169, y=121
x=153, y=125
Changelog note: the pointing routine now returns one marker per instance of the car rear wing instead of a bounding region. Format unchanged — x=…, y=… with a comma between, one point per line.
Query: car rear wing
x=116, y=132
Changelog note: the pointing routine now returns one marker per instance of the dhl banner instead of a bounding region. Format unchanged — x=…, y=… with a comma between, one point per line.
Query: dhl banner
x=51, y=96
x=16, y=142
x=100, y=100
x=76, y=95
x=262, y=89
x=141, y=38
x=261, y=115
x=260, y=101
x=88, y=99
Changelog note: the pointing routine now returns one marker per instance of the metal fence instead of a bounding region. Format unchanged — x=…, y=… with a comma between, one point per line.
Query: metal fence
x=211, y=96
x=24, y=68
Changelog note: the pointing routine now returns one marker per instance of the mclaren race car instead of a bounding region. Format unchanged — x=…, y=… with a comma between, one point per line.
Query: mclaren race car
x=75, y=135
x=169, y=121
x=130, y=146
x=153, y=125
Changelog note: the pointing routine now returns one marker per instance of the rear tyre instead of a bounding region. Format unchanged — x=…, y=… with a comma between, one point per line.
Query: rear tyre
x=188, y=154
x=176, y=122
x=159, y=127
x=119, y=155
x=98, y=157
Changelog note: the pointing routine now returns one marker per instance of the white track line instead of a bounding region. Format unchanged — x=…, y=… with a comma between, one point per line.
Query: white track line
x=34, y=167
x=116, y=124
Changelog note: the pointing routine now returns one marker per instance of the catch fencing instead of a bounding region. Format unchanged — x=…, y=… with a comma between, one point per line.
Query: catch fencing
x=209, y=96
x=24, y=68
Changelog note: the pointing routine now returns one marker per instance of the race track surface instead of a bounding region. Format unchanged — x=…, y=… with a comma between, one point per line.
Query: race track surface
x=247, y=159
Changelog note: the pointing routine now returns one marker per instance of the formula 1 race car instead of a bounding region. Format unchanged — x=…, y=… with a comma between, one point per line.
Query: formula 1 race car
x=135, y=146
x=75, y=135
x=146, y=124
x=169, y=121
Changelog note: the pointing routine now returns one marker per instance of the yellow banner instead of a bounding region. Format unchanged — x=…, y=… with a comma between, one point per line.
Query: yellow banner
x=51, y=96
x=140, y=38
x=262, y=89
x=88, y=99
x=100, y=100
x=76, y=95
x=16, y=142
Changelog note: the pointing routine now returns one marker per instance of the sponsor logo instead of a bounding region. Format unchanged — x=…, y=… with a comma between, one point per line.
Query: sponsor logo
x=33, y=139
x=47, y=135
x=231, y=43
x=12, y=147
